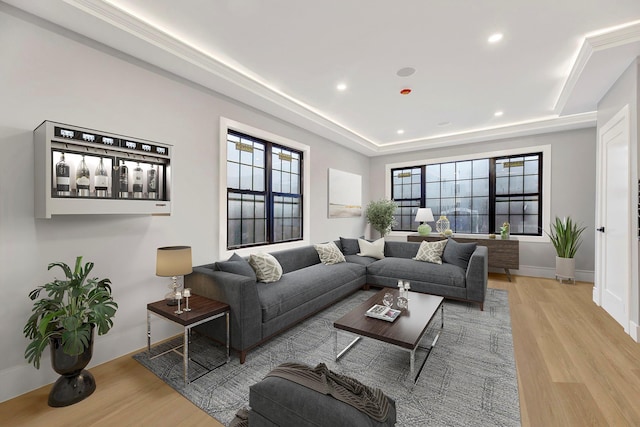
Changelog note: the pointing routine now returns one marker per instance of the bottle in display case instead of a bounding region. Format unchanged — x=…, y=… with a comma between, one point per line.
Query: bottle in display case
x=137, y=182
x=101, y=180
x=63, y=181
x=83, y=179
x=123, y=186
x=152, y=183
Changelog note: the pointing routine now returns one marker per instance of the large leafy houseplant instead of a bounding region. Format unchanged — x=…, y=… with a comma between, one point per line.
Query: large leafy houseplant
x=73, y=306
x=380, y=215
x=566, y=237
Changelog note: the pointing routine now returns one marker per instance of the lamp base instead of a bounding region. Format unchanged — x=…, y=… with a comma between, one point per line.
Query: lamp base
x=424, y=229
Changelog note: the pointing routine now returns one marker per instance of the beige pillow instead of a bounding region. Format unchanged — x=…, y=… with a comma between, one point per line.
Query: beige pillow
x=431, y=251
x=267, y=268
x=329, y=253
x=372, y=249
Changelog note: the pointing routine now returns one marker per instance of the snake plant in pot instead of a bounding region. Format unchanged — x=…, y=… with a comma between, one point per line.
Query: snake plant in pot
x=65, y=320
x=566, y=237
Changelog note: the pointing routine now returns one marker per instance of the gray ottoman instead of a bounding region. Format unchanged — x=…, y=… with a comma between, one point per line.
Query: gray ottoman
x=279, y=402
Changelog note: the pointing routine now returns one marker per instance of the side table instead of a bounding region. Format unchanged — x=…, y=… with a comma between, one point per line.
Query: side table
x=202, y=310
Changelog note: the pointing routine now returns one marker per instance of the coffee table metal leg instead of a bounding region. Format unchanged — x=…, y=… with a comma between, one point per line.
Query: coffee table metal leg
x=347, y=348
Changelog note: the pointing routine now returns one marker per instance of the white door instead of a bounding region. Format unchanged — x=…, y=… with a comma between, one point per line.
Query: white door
x=615, y=216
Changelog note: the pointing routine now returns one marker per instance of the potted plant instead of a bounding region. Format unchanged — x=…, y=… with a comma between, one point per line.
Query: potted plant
x=65, y=320
x=380, y=215
x=566, y=238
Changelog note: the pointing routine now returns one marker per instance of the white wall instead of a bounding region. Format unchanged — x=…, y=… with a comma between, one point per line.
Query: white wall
x=573, y=156
x=47, y=73
x=626, y=91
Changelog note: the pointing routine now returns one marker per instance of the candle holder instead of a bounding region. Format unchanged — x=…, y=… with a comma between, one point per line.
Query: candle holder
x=186, y=294
x=178, y=298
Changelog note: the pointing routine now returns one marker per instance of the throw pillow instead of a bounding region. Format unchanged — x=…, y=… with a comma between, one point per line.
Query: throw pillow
x=431, y=251
x=329, y=253
x=237, y=265
x=267, y=268
x=458, y=253
x=349, y=246
x=373, y=249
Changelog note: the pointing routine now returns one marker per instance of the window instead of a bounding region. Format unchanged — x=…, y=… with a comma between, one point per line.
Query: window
x=476, y=195
x=264, y=192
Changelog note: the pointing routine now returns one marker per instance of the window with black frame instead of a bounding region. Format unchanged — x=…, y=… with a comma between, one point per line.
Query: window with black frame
x=477, y=196
x=264, y=192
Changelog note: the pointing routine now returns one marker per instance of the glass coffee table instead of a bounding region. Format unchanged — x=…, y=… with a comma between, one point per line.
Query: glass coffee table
x=404, y=332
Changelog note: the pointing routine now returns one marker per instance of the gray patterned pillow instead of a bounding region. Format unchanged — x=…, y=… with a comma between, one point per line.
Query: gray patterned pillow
x=329, y=253
x=267, y=268
x=431, y=251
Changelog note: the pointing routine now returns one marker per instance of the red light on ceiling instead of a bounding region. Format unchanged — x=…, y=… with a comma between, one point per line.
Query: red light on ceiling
x=405, y=91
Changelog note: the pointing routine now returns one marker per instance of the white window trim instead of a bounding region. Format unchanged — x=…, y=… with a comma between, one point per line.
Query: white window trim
x=227, y=124
x=546, y=183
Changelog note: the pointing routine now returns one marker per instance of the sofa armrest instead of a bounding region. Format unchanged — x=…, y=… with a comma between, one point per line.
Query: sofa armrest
x=241, y=293
x=477, y=275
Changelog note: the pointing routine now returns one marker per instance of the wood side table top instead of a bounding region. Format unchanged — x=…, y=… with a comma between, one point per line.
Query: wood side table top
x=201, y=308
x=405, y=331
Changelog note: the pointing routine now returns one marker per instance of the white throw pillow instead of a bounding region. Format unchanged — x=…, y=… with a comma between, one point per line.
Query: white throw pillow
x=431, y=251
x=329, y=253
x=267, y=268
x=372, y=249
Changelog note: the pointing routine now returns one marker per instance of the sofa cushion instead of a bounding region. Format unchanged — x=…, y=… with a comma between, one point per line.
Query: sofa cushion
x=431, y=251
x=416, y=272
x=301, y=286
x=349, y=246
x=401, y=249
x=373, y=249
x=267, y=268
x=458, y=253
x=362, y=260
x=237, y=265
x=329, y=253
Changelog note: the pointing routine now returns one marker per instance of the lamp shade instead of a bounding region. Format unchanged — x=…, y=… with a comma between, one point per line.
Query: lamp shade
x=424, y=215
x=173, y=261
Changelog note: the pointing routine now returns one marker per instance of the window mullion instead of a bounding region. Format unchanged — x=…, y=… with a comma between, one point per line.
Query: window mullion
x=492, y=195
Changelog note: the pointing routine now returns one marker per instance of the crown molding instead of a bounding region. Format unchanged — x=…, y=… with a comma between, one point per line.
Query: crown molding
x=606, y=39
x=513, y=130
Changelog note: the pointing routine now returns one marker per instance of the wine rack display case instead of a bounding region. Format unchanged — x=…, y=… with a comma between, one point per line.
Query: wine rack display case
x=82, y=171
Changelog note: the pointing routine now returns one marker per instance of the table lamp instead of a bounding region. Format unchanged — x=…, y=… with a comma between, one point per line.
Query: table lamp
x=424, y=215
x=173, y=261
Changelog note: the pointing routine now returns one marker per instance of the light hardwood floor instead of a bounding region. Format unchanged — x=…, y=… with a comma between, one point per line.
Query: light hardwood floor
x=576, y=367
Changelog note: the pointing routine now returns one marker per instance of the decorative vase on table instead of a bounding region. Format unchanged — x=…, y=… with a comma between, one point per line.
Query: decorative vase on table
x=75, y=382
x=442, y=224
x=505, y=231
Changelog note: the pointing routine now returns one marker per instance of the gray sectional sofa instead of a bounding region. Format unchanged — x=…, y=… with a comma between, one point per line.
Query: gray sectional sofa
x=261, y=310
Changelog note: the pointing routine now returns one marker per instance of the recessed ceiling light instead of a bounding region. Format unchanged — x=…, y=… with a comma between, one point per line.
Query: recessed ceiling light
x=495, y=38
x=341, y=86
x=400, y=131
x=406, y=71
x=498, y=113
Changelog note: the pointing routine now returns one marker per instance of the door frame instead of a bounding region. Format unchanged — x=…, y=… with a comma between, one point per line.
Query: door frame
x=622, y=115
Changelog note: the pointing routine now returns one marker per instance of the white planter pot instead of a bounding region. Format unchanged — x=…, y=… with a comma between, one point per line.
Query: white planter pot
x=565, y=269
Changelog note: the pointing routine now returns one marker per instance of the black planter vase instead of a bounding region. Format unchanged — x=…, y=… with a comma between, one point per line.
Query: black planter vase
x=75, y=383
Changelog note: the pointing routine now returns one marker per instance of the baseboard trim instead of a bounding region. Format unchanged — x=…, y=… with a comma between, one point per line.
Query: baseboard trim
x=634, y=331
x=547, y=273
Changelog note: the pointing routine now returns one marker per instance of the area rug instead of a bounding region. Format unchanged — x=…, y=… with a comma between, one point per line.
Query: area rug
x=468, y=379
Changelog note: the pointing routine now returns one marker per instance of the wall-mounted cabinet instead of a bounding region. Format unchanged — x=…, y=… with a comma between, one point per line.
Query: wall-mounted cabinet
x=85, y=171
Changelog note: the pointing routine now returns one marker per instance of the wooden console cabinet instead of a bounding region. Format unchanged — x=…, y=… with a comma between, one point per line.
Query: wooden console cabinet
x=502, y=253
